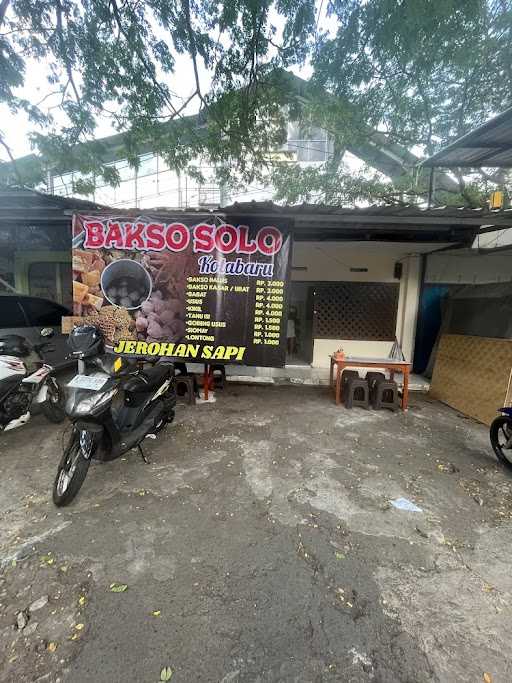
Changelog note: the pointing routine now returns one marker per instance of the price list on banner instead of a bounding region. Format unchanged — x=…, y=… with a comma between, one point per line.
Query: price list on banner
x=268, y=312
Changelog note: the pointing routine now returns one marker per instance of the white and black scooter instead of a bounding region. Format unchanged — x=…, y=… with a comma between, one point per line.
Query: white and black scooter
x=113, y=405
x=22, y=387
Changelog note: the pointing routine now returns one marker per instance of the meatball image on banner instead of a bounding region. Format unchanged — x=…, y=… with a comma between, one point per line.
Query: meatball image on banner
x=213, y=292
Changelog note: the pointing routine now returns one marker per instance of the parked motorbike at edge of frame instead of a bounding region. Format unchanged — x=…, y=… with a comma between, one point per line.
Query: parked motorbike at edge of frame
x=501, y=436
x=21, y=387
x=113, y=406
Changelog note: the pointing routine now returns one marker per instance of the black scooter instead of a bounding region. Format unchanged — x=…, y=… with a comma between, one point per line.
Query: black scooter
x=501, y=436
x=113, y=405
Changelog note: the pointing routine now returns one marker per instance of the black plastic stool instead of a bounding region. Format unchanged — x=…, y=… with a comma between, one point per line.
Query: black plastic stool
x=372, y=378
x=219, y=375
x=385, y=395
x=186, y=388
x=357, y=393
x=346, y=376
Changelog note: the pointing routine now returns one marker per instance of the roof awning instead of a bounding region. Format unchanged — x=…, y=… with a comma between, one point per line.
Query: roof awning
x=490, y=145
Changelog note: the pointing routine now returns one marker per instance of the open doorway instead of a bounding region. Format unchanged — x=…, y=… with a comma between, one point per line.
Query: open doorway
x=300, y=324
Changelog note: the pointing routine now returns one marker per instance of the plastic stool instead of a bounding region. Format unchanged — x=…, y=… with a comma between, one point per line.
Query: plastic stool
x=372, y=378
x=357, y=393
x=346, y=376
x=185, y=388
x=219, y=376
x=385, y=395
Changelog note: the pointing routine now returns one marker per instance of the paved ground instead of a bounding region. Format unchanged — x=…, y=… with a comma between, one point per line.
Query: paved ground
x=260, y=545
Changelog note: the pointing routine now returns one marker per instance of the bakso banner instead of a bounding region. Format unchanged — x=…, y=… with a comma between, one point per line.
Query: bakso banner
x=213, y=291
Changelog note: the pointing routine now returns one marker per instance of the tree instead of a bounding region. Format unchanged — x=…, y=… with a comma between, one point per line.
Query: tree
x=424, y=72
x=116, y=58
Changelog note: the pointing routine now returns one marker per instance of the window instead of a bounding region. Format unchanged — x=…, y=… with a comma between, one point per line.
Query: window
x=148, y=165
x=356, y=310
x=43, y=313
x=11, y=313
x=42, y=279
x=309, y=144
x=51, y=280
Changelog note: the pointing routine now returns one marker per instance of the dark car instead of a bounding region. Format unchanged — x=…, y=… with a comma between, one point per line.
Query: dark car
x=27, y=315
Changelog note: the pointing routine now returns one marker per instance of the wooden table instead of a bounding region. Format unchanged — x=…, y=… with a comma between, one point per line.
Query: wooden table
x=381, y=363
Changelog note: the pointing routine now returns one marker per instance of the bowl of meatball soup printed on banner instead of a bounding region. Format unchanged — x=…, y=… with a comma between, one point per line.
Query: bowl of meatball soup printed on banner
x=126, y=283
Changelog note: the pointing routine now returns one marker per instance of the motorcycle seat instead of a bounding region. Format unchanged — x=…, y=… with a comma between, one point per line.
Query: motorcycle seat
x=147, y=380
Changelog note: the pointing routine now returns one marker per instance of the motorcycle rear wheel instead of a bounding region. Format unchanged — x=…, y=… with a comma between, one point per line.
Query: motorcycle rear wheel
x=500, y=433
x=71, y=474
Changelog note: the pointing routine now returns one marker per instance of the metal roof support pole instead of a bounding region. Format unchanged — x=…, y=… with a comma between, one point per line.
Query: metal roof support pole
x=431, y=186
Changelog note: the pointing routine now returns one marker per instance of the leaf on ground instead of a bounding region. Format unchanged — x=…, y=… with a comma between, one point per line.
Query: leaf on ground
x=339, y=556
x=166, y=673
x=487, y=677
x=79, y=627
x=156, y=613
x=81, y=600
x=118, y=587
x=51, y=647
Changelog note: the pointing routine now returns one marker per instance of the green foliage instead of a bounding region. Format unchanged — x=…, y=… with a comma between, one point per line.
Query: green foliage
x=115, y=58
x=423, y=72
x=343, y=187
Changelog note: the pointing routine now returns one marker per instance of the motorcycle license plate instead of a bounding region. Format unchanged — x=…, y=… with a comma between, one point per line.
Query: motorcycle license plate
x=87, y=382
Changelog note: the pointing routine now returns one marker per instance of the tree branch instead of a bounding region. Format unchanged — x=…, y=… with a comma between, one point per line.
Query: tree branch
x=462, y=185
x=193, y=53
x=497, y=178
x=147, y=66
x=4, y=4
x=193, y=47
x=11, y=158
x=63, y=50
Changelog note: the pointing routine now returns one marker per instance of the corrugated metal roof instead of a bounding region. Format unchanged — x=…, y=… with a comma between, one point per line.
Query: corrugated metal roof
x=489, y=145
x=379, y=213
x=389, y=223
x=22, y=204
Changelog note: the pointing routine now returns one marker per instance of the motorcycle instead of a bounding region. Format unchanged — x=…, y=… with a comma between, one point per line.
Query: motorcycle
x=113, y=405
x=21, y=387
x=501, y=436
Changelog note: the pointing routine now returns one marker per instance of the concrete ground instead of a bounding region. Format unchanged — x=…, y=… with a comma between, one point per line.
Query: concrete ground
x=260, y=545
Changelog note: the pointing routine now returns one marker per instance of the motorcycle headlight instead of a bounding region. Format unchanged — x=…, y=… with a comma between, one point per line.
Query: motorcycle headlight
x=95, y=402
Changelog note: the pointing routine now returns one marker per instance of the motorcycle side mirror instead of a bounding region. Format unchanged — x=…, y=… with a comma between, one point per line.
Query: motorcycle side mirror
x=46, y=332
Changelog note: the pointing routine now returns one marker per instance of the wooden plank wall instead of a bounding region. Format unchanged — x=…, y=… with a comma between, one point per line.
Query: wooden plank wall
x=471, y=374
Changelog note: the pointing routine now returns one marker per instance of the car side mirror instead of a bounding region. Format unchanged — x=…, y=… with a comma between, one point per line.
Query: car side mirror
x=46, y=332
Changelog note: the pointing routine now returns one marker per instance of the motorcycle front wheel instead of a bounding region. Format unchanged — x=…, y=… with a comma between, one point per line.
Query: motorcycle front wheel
x=52, y=407
x=71, y=473
x=500, y=434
